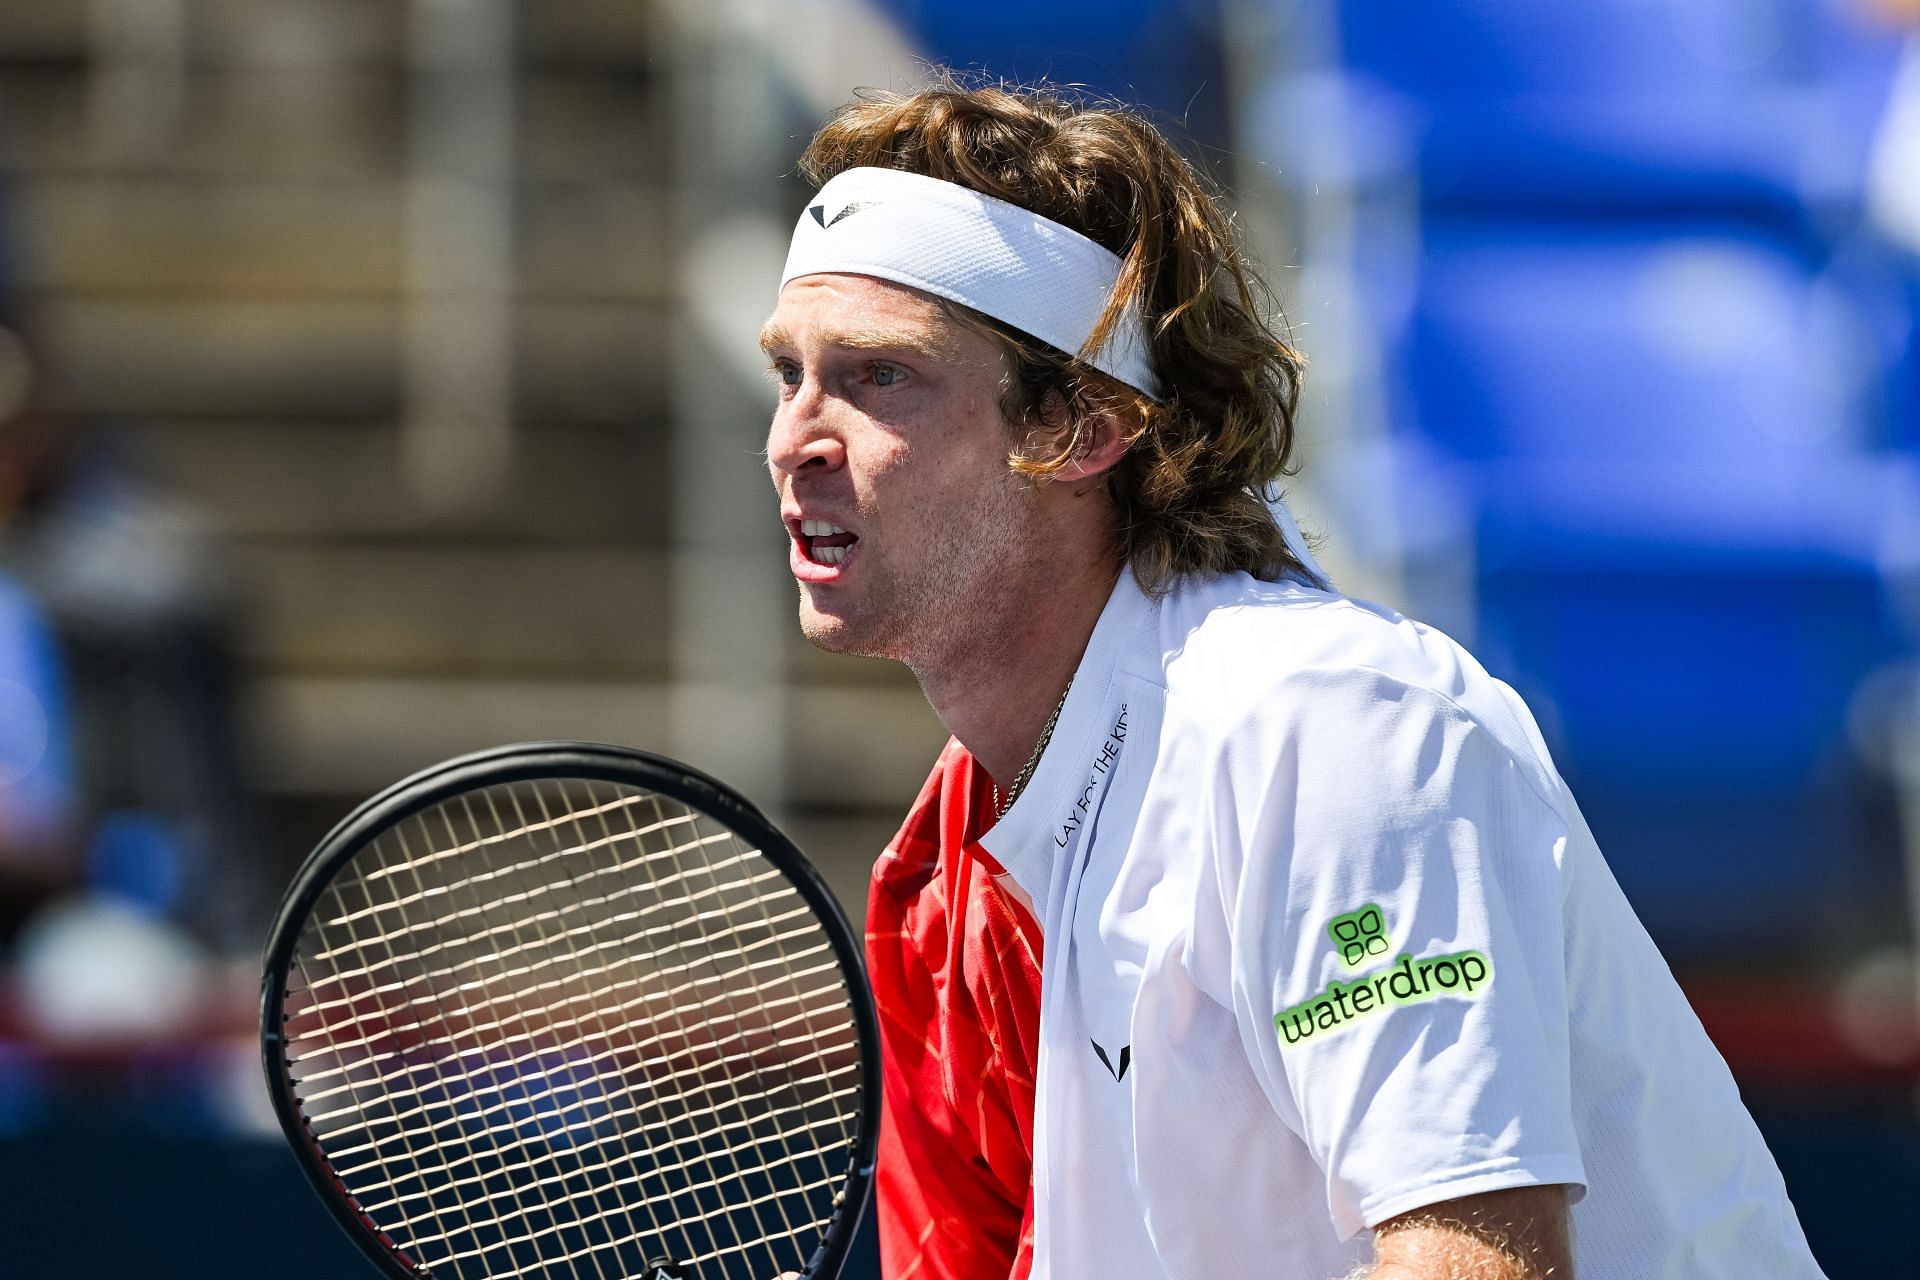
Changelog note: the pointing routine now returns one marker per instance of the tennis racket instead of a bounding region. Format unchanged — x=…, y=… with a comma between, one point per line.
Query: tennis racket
x=570, y=1010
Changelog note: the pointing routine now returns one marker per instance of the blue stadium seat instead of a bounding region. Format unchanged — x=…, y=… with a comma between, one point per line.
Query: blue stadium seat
x=1622, y=340
x=1758, y=106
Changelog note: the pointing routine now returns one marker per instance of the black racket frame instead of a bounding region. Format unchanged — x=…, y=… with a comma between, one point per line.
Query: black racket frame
x=532, y=762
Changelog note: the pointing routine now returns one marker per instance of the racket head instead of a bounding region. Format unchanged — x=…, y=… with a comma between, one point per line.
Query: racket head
x=363, y=1202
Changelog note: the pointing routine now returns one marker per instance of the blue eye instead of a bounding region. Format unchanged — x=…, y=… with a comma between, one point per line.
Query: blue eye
x=787, y=375
x=885, y=375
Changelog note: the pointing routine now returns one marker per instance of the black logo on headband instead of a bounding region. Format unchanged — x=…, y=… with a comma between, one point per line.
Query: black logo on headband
x=819, y=211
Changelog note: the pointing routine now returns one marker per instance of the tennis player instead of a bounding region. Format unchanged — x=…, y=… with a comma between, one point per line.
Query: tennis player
x=1242, y=929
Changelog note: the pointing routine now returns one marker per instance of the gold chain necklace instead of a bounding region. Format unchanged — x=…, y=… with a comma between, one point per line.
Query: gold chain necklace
x=1001, y=806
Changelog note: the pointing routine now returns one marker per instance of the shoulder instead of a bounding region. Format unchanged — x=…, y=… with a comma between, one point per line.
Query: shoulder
x=1235, y=632
x=1232, y=648
x=1259, y=671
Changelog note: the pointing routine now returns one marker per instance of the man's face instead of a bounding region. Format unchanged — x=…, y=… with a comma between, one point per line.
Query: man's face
x=909, y=534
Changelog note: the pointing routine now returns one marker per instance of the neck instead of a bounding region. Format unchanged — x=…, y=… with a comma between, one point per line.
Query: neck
x=998, y=698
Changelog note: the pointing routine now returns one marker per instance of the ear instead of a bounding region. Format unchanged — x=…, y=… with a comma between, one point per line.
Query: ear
x=1101, y=440
x=1104, y=438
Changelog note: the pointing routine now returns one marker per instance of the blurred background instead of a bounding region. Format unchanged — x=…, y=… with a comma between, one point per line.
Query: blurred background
x=377, y=382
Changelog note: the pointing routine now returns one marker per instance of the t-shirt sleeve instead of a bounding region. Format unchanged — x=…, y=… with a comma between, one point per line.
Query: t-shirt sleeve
x=1390, y=876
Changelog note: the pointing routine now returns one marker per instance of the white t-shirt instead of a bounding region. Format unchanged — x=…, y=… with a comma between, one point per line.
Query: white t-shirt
x=1327, y=940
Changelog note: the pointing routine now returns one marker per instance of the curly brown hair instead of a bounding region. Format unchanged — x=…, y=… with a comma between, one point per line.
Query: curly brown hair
x=1188, y=491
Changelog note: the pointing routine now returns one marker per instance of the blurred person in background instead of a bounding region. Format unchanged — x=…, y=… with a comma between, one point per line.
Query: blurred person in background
x=40, y=826
x=136, y=589
x=126, y=828
x=37, y=802
x=1328, y=948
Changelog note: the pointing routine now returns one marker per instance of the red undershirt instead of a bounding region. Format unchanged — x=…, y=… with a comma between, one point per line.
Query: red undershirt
x=955, y=965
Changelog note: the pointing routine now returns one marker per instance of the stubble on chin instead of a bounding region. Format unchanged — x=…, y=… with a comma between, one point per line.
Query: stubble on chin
x=834, y=634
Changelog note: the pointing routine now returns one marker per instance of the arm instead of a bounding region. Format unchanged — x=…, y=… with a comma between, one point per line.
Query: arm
x=1521, y=1234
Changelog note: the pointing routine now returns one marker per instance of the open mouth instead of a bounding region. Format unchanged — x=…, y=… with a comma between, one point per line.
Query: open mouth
x=824, y=543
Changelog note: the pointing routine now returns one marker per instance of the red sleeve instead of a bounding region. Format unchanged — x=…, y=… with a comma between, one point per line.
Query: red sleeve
x=955, y=967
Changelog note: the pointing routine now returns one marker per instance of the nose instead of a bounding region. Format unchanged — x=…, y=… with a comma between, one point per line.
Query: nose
x=803, y=436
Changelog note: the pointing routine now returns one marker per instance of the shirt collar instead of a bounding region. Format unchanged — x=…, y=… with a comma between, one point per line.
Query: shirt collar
x=1022, y=841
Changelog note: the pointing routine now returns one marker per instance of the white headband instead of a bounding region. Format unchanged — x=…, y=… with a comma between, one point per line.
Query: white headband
x=1003, y=261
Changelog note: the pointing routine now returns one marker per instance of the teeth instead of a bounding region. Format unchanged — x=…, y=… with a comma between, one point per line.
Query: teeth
x=829, y=555
x=818, y=528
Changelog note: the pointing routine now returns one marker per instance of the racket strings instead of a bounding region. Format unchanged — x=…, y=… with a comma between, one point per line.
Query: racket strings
x=531, y=1235
x=791, y=974
x=790, y=1152
x=639, y=1005
x=778, y=1204
x=528, y=1232
x=704, y=1152
x=415, y=911
x=561, y=961
x=692, y=1167
x=502, y=834
x=705, y=849
x=659, y=1060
